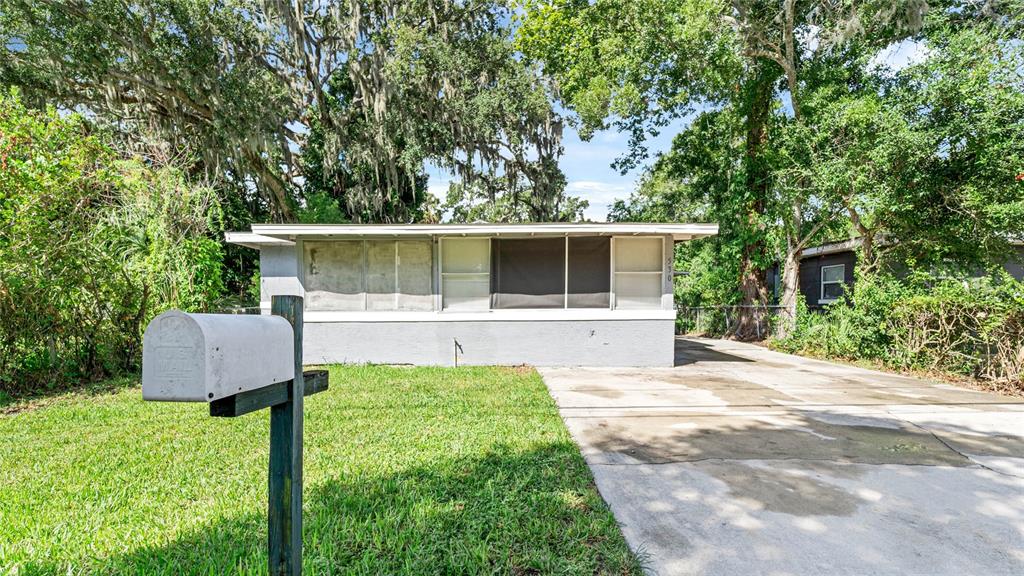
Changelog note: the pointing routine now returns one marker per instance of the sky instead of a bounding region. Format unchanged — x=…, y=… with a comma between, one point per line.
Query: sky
x=587, y=165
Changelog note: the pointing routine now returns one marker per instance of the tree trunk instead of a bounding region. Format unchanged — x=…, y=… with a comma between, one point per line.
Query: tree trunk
x=790, y=291
x=758, y=184
x=867, y=236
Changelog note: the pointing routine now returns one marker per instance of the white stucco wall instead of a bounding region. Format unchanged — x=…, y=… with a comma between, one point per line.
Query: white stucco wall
x=499, y=342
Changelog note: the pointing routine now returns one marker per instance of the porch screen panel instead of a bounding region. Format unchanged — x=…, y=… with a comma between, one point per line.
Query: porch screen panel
x=638, y=272
x=414, y=275
x=380, y=275
x=589, y=272
x=465, y=273
x=528, y=273
x=334, y=277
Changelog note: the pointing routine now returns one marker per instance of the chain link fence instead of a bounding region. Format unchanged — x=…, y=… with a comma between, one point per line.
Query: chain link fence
x=745, y=322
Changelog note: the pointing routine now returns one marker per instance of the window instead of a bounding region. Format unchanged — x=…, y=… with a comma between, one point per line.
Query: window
x=465, y=273
x=368, y=275
x=638, y=272
x=589, y=280
x=484, y=273
x=334, y=276
x=380, y=275
x=528, y=273
x=564, y=272
x=832, y=283
x=415, y=275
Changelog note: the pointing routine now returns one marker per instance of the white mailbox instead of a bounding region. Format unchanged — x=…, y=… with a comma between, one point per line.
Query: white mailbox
x=205, y=357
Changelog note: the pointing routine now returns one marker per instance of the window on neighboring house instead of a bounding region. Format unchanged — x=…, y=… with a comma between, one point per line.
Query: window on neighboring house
x=832, y=283
x=465, y=273
x=638, y=272
x=368, y=275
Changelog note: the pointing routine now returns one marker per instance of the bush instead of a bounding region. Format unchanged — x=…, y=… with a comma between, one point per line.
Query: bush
x=92, y=245
x=971, y=327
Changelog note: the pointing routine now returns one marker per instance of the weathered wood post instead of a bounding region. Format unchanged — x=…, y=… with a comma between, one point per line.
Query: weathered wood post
x=284, y=510
x=240, y=364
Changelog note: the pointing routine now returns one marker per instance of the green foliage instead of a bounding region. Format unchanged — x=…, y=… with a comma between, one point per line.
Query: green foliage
x=407, y=471
x=803, y=137
x=928, y=156
x=91, y=247
x=634, y=65
x=162, y=228
x=321, y=208
x=346, y=99
x=972, y=327
x=477, y=203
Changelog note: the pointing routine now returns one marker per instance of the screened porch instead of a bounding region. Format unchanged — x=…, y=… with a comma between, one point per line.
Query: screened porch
x=477, y=274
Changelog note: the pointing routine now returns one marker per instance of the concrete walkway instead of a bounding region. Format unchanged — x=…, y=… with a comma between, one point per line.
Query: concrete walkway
x=743, y=461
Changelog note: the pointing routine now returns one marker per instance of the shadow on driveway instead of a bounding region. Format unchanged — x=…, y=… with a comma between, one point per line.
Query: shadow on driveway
x=690, y=351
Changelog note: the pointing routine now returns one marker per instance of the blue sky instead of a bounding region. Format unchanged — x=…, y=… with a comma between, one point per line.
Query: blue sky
x=587, y=165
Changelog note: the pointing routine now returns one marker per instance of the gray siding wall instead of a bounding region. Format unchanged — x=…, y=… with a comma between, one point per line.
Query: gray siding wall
x=546, y=343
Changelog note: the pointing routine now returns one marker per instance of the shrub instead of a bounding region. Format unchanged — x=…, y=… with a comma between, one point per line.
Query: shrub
x=92, y=245
x=972, y=327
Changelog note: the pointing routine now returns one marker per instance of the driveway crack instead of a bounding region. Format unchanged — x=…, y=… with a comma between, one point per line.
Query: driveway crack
x=942, y=441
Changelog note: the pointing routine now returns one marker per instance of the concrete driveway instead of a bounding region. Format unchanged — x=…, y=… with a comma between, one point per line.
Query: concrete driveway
x=745, y=461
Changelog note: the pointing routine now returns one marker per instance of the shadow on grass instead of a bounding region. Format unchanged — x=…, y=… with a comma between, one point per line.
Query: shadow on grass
x=507, y=512
x=12, y=403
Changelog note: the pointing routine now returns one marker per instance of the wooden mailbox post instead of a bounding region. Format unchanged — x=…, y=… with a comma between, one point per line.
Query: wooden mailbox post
x=240, y=364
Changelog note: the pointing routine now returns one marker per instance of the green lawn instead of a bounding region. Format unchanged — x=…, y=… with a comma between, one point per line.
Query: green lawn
x=407, y=470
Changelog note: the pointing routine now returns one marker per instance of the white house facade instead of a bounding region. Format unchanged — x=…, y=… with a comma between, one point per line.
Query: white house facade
x=483, y=294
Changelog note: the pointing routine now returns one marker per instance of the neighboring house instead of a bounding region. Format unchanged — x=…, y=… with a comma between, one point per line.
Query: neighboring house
x=540, y=294
x=826, y=271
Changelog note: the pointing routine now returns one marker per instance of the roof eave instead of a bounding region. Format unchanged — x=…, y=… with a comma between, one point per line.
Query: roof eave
x=256, y=241
x=679, y=232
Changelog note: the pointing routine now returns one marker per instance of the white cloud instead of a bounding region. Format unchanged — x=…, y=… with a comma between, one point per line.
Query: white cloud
x=601, y=195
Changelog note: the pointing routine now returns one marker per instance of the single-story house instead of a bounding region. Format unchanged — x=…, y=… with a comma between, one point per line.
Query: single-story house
x=548, y=294
x=826, y=271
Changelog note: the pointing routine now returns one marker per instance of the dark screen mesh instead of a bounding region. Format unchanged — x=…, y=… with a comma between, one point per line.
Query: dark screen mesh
x=589, y=272
x=528, y=273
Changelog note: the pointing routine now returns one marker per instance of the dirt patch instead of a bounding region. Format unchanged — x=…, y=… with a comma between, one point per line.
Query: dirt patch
x=521, y=369
x=18, y=404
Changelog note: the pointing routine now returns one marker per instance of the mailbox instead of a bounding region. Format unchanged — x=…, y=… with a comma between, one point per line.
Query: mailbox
x=206, y=357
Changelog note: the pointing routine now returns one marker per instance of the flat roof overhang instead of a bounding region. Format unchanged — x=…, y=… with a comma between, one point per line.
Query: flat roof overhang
x=286, y=234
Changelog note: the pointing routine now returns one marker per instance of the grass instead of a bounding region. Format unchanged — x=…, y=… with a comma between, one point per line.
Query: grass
x=407, y=470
